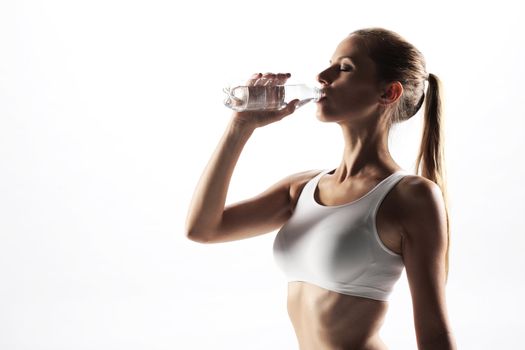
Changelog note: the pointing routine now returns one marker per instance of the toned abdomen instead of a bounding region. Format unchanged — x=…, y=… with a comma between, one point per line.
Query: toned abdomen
x=323, y=319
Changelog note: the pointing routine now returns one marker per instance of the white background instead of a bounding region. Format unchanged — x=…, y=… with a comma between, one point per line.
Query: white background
x=109, y=111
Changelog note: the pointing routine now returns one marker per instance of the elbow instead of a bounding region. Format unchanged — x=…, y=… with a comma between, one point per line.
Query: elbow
x=200, y=231
x=191, y=231
x=196, y=236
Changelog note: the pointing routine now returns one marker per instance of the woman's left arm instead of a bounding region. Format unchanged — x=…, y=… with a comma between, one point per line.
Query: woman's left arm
x=424, y=247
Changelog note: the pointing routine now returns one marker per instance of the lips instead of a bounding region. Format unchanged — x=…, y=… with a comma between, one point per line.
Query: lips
x=323, y=95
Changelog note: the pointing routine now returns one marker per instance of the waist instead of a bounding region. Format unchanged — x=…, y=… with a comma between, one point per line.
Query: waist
x=328, y=318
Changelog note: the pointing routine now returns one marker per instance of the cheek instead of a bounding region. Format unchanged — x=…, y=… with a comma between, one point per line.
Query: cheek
x=343, y=106
x=355, y=99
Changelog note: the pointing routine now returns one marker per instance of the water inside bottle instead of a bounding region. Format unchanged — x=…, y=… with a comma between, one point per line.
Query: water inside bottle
x=243, y=98
x=259, y=97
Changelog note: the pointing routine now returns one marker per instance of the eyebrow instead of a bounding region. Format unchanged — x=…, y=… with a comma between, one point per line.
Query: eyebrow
x=348, y=57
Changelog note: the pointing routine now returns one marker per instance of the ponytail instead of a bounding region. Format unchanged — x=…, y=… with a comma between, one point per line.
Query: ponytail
x=431, y=155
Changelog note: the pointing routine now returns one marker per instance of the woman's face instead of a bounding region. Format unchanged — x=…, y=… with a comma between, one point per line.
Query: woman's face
x=350, y=84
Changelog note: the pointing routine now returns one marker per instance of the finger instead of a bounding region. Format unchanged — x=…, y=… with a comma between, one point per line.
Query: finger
x=293, y=104
x=253, y=78
x=268, y=79
x=269, y=75
x=271, y=79
x=290, y=107
x=260, y=81
x=282, y=77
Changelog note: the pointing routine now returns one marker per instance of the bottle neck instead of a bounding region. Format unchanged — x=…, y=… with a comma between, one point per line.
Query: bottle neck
x=313, y=93
x=318, y=93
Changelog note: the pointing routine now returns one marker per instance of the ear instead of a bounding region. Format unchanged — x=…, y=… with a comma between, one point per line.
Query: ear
x=391, y=93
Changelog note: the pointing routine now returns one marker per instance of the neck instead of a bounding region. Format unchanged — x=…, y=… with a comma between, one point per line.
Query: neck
x=365, y=153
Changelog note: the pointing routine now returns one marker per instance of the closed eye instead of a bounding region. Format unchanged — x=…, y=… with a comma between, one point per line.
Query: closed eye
x=345, y=68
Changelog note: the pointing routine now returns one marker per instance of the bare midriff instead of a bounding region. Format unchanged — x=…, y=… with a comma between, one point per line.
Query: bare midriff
x=327, y=320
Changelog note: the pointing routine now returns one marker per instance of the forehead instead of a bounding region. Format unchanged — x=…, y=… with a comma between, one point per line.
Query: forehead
x=354, y=47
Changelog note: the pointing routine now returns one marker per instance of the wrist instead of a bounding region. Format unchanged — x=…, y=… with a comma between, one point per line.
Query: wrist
x=240, y=127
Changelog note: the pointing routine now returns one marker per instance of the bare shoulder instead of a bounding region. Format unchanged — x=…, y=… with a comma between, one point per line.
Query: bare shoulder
x=420, y=200
x=415, y=188
x=298, y=180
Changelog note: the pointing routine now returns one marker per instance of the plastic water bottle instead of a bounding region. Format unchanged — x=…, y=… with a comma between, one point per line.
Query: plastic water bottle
x=266, y=98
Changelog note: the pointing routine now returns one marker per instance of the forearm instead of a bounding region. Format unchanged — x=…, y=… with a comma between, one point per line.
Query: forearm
x=207, y=205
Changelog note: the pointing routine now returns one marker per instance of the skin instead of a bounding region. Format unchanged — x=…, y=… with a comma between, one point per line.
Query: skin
x=411, y=220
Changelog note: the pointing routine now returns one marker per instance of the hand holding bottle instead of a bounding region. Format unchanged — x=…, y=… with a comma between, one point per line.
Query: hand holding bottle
x=270, y=87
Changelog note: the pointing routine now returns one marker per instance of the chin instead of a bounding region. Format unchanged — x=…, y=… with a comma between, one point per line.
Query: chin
x=326, y=117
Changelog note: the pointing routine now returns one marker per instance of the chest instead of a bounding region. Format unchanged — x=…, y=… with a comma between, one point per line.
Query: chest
x=388, y=227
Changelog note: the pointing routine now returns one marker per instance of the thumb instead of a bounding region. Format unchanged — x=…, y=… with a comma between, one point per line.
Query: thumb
x=289, y=109
x=292, y=105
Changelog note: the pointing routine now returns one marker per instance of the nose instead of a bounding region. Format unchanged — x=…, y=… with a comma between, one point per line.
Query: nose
x=323, y=77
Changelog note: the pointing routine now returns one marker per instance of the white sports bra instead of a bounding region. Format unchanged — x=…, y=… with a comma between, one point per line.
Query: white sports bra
x=337, y=247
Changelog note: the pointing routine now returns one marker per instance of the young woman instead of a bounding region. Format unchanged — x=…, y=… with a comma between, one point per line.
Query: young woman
x=346, y=234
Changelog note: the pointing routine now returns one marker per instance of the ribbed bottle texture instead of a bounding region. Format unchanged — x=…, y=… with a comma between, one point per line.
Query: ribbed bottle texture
x=264, y=98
